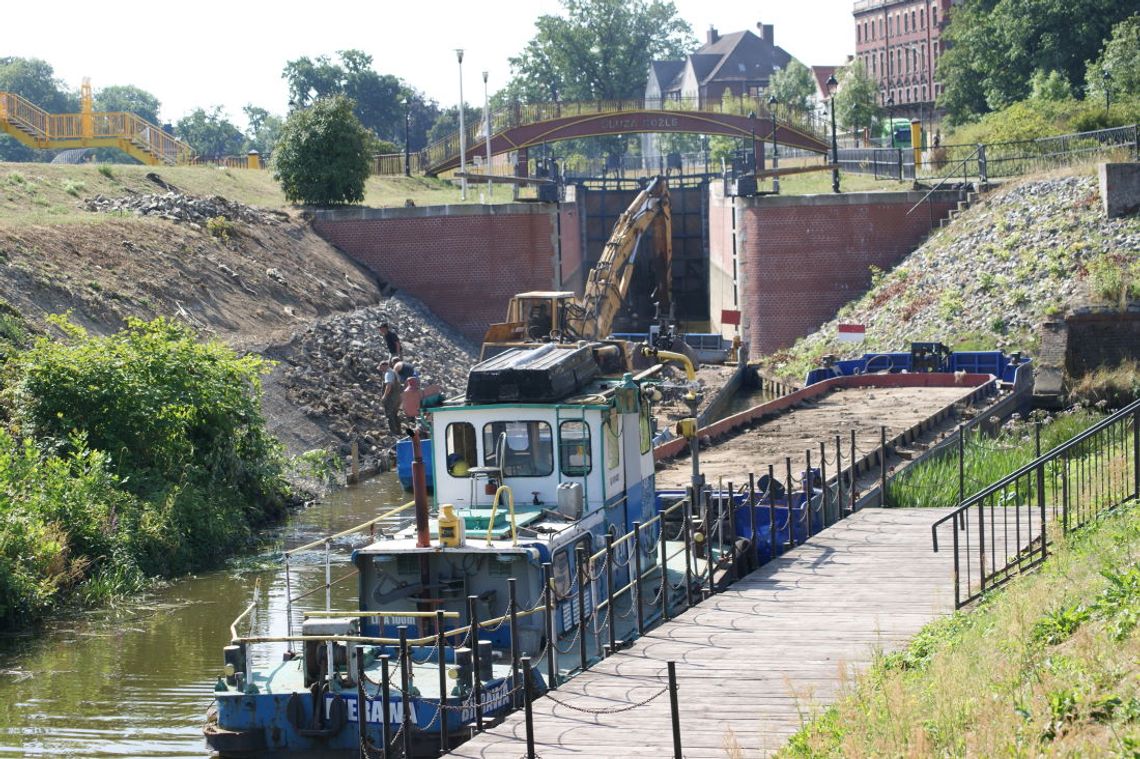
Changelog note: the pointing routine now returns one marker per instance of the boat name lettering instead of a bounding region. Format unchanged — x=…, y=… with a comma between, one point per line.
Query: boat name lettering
x=494, y=698
x=375, y=710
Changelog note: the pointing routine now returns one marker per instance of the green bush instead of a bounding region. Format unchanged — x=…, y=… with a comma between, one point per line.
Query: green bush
x=322, y=157
x=140, y=453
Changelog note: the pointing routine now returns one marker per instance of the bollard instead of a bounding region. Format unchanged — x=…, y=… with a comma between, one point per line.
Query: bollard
x=808, y=491
x=551, y=634
x=361, y=702
x=771, y=514
x=839, y=499
x=583, y=576
x=354, y=470
x=528, y=699
x=441, y=647
x=512, y=605
x=610, y=591
x=406, y=688
x=824, y=501
x=477, y=684
x=637, y=578
x=386, y=705
x=754, y=555
x=674, y=712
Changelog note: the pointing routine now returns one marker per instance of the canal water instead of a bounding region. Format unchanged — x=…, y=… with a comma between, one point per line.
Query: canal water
x=135, y=681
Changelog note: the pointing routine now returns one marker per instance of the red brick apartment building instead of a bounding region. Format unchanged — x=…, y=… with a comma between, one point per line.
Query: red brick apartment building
x=899, y=41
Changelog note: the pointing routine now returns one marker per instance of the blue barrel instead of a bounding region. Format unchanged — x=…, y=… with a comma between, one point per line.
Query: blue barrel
x=404, y=462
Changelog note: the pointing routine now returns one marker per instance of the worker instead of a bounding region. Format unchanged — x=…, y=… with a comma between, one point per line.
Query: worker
x=392, y=340
x=391, y=397
x=404, y=370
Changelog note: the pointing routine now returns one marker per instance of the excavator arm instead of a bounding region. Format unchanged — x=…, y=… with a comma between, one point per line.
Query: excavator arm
x=608, y=284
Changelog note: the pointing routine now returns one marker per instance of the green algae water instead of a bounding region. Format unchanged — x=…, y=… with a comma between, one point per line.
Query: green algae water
x=136, y=680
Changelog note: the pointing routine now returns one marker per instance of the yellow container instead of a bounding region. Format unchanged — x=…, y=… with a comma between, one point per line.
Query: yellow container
x=452, y=529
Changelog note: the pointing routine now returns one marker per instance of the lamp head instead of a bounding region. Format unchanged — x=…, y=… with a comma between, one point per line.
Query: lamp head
x=832, y=84
x=459, y=54
x=772, y=100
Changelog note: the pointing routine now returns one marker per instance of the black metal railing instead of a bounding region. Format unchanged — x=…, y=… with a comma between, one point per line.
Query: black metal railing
x=1006, y=528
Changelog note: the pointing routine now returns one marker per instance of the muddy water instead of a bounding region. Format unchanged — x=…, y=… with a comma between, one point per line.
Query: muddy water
x=136, y=681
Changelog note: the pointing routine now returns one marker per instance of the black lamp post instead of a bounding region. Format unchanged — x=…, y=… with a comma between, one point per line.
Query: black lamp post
x=752, y=121
x=407, y=129
x=1106, y=77
x=832, y=86
x=775, y=145
x=891, y=117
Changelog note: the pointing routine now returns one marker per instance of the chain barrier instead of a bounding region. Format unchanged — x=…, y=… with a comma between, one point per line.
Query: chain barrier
x=570, y=648
x=607, y=709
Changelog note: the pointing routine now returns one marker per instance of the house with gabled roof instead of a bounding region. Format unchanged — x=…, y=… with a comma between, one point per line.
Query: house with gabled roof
x=740, y=63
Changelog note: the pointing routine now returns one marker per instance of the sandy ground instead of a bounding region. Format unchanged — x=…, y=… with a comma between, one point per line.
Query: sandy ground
x=839, y=412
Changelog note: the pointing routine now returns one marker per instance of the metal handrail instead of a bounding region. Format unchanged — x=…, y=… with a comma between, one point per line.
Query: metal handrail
x=947, y=178
x=350, y=530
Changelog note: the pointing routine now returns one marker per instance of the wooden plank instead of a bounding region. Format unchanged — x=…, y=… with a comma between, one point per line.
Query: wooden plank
x=753, y=660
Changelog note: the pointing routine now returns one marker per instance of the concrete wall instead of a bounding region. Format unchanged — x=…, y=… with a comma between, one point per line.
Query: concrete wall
x=801, y=258
x=1120, y=188
x=1101, y=338
x=724, y=294
x=464, y=262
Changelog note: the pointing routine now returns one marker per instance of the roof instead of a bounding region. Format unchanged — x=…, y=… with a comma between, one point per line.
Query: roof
x=820, y=74
x=737, y=56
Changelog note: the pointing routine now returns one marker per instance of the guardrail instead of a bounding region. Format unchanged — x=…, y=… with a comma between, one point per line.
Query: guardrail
x=1004, y=529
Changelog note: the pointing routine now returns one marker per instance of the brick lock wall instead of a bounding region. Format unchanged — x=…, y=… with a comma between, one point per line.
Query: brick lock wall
x=463, y=263
x=802, y=258
x=1101, y=339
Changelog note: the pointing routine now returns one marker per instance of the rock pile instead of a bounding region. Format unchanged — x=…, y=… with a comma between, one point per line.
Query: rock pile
x=179, y=207
x=990, y=278
x=331, y=368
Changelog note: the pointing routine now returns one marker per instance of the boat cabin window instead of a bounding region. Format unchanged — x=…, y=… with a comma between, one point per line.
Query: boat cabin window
x=613, y=439
x=561, y=573
x=461, y=452
x=574, y=448
x=527, y=448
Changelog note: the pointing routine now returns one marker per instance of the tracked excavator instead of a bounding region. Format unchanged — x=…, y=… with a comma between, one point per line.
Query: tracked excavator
x=561, y=317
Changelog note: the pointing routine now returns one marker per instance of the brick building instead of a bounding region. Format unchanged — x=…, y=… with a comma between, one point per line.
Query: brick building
x=899, y=42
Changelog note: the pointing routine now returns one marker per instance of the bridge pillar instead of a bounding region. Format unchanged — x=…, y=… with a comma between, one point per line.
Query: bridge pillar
x=521, y=163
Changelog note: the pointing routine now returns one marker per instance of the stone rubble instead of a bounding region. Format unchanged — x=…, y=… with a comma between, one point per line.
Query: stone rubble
x=331, y=368
x=179, y=207
x=1015, y=259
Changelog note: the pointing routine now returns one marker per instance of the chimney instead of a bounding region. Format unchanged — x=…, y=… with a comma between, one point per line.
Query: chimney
x=767, y=33
x=713, y=35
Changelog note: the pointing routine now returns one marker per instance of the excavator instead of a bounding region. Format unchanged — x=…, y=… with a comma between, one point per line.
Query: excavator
x=561, y=317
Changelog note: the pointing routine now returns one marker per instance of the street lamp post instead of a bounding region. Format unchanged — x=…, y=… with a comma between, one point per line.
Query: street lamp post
x=462, y=132
x=891, y=118
x=407, y=128
x=1106, y=77
x=752, y=121
x=832, y=86
x=487, y=133
x=775, y=145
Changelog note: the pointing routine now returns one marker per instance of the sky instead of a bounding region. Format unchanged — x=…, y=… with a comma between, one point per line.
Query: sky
x=208, y=52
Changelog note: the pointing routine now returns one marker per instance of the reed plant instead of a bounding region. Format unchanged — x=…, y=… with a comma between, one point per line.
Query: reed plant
x=985, y=460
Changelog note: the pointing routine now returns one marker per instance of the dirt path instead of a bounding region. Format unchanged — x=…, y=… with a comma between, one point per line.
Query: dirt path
x=821, y=419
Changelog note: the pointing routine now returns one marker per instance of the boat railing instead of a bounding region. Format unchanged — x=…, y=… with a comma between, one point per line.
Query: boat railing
x=495, y=510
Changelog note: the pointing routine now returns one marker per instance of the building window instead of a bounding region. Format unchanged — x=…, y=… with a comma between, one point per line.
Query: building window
x=921, y=18
x=906, y=22
x=912, y=24
x=934, y=16
x=527, y=448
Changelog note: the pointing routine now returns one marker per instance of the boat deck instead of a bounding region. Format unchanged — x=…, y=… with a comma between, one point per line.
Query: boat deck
x=815, y=420
x=754, y=660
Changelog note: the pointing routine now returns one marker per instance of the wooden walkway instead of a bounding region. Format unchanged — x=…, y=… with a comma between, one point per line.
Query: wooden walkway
x=754, y=660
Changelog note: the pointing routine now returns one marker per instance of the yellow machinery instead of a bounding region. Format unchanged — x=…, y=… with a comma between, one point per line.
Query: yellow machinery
x=560, y=316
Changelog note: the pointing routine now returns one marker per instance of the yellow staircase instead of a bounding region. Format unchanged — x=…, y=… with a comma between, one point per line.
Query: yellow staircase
x=135, y=136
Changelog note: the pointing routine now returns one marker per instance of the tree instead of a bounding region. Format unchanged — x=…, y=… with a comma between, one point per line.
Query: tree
x=855, y=101
x=33, y=79
x=996, y=46
x=264, y=129
x=210, y=134
x=447, y=122
x=1121, y=59
x=793, y=87
x=378, y=99
x=129, y=99
x=322, y=157
x=600, y=50
x=1050, y=86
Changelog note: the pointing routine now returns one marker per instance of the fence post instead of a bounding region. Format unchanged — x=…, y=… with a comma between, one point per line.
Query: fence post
x=386, y=704
x=1041, y=506
x=674, y=712
x=406, y=688
x=687, y=516
x=636, y=595
x=1136, y=448
x=706, y=501
x=853, y=472
x=1037, y=438
x=551, y=629
x=477, y=686
x=441, y=646
x=824, y=501
x=732, y=531
x=809, y=491
x=788, y=499
x=528, y=698
x=512, y=606
x=610, y=591
x=883, y=466
x=753, y=553
x=899, y=161
x=663, y=551
x=771, y=514
x=361, y=702
x=961, y=464
x=983, y=169
x=583, y=576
